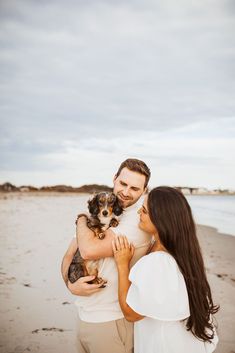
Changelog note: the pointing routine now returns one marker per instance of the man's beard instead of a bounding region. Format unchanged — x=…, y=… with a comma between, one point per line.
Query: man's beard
x=125, y=201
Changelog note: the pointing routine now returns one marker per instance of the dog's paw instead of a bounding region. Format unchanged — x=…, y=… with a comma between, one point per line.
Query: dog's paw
x=80, y=215
x=101, y=235
x=100, y=280
x=114, y=222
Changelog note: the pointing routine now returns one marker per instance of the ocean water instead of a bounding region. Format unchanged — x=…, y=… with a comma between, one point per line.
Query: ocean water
x=216, y=210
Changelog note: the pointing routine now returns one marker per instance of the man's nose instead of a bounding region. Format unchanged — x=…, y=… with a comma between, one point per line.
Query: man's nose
x=126, y=192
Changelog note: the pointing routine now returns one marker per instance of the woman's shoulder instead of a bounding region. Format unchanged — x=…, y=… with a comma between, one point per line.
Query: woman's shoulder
x=158, y=260
x=162, y=255
x=158, y=257
x=159, y=285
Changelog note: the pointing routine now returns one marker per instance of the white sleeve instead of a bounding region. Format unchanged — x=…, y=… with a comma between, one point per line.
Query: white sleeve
x=158, y=288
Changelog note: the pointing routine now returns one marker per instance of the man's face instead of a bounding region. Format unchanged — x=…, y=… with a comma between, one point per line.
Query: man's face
x=128, y=186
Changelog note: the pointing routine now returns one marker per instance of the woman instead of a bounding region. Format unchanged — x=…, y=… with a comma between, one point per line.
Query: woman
x=166, y=292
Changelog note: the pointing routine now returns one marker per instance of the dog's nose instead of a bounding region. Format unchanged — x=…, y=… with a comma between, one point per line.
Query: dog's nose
x=105, y=213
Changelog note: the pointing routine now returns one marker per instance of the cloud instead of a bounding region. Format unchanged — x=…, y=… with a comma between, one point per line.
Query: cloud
x=199, y=154
x=109, y=78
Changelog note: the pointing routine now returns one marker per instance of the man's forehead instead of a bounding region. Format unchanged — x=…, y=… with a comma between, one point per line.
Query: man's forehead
x=131, y=178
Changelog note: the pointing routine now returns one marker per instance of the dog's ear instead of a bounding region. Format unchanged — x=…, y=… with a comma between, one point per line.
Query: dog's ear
x=117, y=208
x=93, y=206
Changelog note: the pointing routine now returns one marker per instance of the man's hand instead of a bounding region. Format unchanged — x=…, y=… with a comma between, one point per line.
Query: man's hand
x=82, y=288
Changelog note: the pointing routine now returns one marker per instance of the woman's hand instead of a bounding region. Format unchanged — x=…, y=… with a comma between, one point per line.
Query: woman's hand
x=122, y=250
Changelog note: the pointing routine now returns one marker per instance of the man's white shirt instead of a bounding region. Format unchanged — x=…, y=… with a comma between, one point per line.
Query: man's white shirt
x=104, y=306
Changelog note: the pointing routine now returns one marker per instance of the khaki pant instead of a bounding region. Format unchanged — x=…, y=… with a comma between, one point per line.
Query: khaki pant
x=105, y=337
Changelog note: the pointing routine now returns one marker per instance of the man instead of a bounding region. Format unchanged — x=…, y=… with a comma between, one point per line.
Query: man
x=101, y=325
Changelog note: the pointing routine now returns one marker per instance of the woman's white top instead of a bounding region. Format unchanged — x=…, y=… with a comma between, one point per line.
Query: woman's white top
x=158, y=292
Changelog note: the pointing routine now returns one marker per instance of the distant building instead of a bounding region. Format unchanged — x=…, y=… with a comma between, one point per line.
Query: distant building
x=200, y=191
x=186, y=191
x=24, y=189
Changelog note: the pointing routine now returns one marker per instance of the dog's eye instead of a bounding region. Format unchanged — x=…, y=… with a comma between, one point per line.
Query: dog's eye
x=111, y=199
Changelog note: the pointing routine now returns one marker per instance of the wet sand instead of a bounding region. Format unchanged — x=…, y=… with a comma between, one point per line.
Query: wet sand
x=37, y=311
x=219, y=256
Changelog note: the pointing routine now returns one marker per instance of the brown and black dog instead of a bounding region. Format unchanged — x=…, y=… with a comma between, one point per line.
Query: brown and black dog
x=105, y=211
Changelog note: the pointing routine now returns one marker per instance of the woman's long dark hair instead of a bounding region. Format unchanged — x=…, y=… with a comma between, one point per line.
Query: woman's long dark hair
x=171, y=214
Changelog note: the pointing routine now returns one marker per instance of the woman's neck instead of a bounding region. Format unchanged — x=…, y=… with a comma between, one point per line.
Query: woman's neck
x=157, y=246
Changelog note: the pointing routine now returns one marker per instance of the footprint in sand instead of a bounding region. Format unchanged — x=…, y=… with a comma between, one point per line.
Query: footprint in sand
x=50, y=329
x=221, y=275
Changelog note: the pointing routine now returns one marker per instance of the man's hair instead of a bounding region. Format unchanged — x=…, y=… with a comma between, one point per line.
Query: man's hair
x=136, y=165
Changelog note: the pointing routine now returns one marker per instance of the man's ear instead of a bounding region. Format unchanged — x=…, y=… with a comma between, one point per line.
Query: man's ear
x=115, y=177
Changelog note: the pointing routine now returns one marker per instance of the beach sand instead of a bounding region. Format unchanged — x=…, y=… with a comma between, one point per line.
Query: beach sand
x=37, y=311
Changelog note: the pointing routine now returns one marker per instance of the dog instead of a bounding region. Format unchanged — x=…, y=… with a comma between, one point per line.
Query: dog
x=105, y=210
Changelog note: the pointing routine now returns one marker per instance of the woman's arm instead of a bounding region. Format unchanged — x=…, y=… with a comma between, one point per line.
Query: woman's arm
x=123, y=253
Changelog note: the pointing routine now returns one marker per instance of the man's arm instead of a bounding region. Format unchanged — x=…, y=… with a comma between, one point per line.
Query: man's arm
x=80, y=287
x=90, y=247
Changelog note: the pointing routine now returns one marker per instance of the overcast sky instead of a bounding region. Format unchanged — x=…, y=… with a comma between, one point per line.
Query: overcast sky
x=85, y=84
